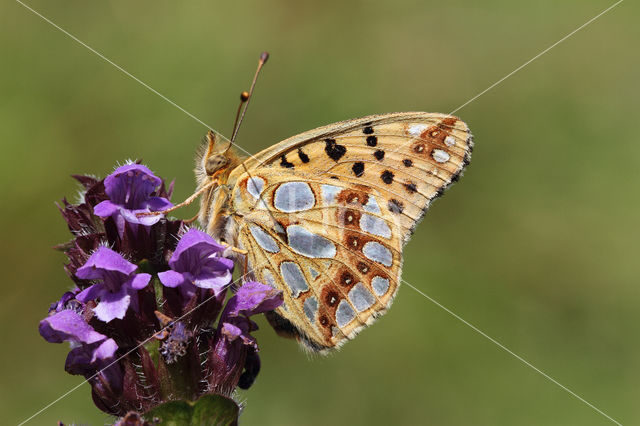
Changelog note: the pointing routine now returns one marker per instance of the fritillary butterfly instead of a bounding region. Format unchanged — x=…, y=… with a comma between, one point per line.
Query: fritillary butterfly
x=324, y=215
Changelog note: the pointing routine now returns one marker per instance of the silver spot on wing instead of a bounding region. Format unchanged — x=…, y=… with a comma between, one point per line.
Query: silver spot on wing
x=314, y=274
x=361, y=298
x=263, y=239
x=293, y=277
x=416, y=129
x=440, y=156
x=308, y=244
x=378, y=253
x=310, y=307
x=375, y=225
x=372, y=205
x=329, y=193
x=267, y=278
x=344, y=314
x=380, y=285
x=255, y=185
x=293, y=197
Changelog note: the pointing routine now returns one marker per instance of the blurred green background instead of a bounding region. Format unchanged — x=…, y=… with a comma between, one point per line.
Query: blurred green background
x=537, y=246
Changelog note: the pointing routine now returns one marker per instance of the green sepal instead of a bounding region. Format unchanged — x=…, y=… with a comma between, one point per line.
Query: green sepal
x=209, y=410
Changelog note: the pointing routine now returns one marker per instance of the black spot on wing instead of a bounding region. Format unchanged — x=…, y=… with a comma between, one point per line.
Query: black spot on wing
x=303, y=157
x=285, y=163
x=407, y=162
x=372, y=140
x=333, y=150
x=379, y=154
x=387, y=177
x=367, y=130
x=411, y=187
x=358, y=168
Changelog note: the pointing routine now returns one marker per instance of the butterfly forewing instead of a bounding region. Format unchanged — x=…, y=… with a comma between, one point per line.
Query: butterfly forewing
x=324, y=215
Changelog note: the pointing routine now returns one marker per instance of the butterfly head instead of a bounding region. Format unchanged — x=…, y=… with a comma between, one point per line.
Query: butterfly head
x=217, y=160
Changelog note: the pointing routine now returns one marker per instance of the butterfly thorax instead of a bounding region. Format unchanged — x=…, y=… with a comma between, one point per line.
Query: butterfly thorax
x=215, y=168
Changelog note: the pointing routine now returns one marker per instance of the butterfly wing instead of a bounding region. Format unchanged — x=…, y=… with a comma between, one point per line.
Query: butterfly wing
x=325, y=214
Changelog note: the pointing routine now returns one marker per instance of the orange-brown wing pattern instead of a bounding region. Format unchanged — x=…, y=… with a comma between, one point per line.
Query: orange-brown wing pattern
x=325, y=214
x=328, y=245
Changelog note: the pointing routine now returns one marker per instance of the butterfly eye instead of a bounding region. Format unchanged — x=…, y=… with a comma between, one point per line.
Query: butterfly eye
x=215, y=163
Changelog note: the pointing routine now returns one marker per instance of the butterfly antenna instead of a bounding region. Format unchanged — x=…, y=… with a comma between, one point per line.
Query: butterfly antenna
x=245, y=97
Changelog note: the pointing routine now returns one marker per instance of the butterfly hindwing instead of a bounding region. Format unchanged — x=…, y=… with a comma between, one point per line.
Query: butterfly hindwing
x=324, y=215
x=331, y=249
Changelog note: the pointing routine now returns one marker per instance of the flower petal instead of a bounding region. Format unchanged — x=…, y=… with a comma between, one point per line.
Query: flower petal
x=105, y=209
x=230, y=331
x=131, y=216
x=158, y=203
x=254, y=298
x=191, y=239
x=140, y=281
x=104, y=260
x=219, y=263
x=61, y=304
x=130, y=185
x=216, y=282
x=171, y=278
x=106, y=350
x=112, y=305
x=68, y=325
x=90, y=293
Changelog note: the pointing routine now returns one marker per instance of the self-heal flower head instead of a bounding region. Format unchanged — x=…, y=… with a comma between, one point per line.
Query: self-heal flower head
x=117, y=286
x=197, y=262
x=129, y=189
x=204, y=345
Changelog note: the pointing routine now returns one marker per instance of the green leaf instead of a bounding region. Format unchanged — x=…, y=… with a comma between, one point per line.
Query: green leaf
x=215, y=410
x=173, y=413
x=209, y=410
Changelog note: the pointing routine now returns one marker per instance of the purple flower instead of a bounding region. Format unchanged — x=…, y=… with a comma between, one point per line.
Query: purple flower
x=68, y=325
x=196, y=262
x=251, y=299
x=92, y=351
x=235, y=349
x=208, y=353
x=118, y=283
x=129, y=189
x=67, y=301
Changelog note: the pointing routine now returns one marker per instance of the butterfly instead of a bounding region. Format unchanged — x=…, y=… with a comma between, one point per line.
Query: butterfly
x=323, y=216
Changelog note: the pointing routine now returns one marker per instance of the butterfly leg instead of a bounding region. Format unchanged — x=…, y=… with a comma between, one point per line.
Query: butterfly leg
x=245, y=258
x=234, y=249
x=186, y=202
x=245, y=268
x=190, y=221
